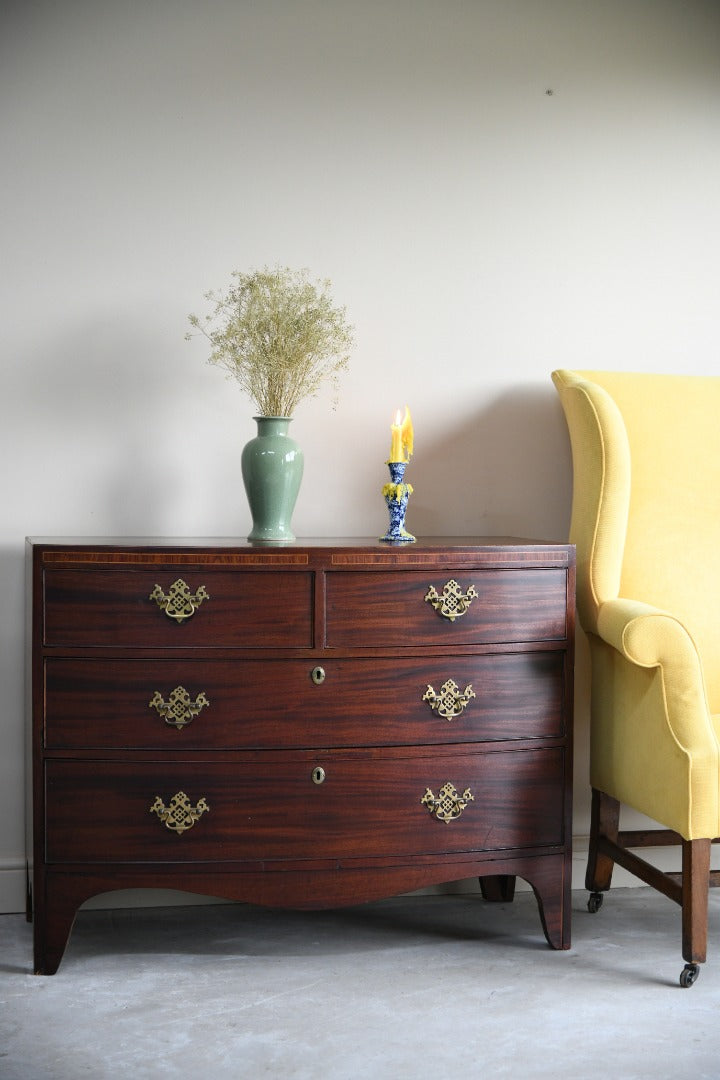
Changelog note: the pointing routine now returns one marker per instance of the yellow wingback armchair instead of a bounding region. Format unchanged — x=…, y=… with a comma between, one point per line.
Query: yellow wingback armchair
x=646, y=524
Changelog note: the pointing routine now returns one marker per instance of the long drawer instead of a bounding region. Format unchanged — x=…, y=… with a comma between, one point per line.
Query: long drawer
x=473, y=608
x=141, y=608
x=190, y=704
x=390, y=804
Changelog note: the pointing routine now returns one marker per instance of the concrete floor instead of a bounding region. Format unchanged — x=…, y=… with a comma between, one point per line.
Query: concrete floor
x=446, y=987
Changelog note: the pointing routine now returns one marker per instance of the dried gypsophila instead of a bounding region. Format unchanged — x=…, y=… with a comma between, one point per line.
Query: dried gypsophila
x=278, y=335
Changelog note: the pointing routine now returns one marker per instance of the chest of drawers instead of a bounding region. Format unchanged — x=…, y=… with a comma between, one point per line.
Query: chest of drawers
x=304, y=726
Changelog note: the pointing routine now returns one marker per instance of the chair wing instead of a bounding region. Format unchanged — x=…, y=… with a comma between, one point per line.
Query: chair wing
x=601, y=490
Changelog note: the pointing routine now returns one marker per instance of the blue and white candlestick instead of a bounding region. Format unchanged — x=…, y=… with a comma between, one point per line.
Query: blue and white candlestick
x=396, y=495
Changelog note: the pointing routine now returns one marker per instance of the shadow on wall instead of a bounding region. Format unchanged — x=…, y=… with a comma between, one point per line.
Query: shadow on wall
x=506, y=472
x=509, y=472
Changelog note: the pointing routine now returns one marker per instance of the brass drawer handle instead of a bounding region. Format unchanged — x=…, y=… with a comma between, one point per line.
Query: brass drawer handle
x=451, y=701
x=452, y=603
x=180, y=815
x=179, y=710
x=447, y=805
x=179, y=603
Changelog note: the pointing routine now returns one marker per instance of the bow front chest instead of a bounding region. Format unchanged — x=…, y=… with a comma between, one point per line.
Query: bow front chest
x=302, y=726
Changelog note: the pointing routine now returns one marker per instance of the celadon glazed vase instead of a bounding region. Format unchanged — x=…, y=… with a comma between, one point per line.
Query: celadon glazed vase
x=272, y=468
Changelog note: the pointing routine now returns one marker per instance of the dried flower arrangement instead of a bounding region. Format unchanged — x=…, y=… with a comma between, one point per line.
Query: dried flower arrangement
x=278, y=335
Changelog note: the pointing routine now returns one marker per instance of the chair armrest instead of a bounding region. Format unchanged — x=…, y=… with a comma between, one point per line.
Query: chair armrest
x=655, y=740
x=649, y=637
x=646, y=635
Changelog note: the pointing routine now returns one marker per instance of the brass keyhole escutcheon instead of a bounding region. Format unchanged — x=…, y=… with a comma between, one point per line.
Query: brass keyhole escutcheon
x=318, y=675
x=318, y=775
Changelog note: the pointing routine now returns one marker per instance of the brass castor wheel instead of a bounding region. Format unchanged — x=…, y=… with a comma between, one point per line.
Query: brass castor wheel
x=595, y=902
x=689, y=975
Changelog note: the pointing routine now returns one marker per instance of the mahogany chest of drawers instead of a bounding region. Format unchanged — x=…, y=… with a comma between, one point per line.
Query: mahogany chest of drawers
x=303, y=726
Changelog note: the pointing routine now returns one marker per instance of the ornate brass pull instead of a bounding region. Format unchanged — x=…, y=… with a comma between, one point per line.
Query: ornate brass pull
x=180, y=709
x=451, y=701
x=452, y=602
x=180, y=815
x=180, y=603
x=447, y=805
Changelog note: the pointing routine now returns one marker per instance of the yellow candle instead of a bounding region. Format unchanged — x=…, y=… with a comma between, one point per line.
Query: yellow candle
x=396, y=443
x=407, y=435
x=401, y=446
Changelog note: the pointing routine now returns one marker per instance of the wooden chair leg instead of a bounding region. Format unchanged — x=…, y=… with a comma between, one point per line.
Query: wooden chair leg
x=695, y=886
x=689, y=889
x=604, y=821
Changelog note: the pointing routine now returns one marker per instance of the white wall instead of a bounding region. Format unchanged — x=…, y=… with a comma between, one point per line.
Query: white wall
x=480, y=230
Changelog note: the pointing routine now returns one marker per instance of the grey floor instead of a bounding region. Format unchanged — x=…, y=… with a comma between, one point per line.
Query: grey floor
x=442, y=987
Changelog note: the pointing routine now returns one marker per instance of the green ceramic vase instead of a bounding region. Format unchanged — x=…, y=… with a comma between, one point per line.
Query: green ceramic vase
x=272, y=468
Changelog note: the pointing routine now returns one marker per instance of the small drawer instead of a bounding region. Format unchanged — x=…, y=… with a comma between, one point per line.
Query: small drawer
x=271, y=704
x=311, y=806
x=472, y=608
x=167, y=609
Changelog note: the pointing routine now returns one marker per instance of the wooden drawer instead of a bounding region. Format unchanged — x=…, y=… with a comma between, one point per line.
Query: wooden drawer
x=370, y=804
x=116, y=608
x=384, y=609
x=298, y=703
